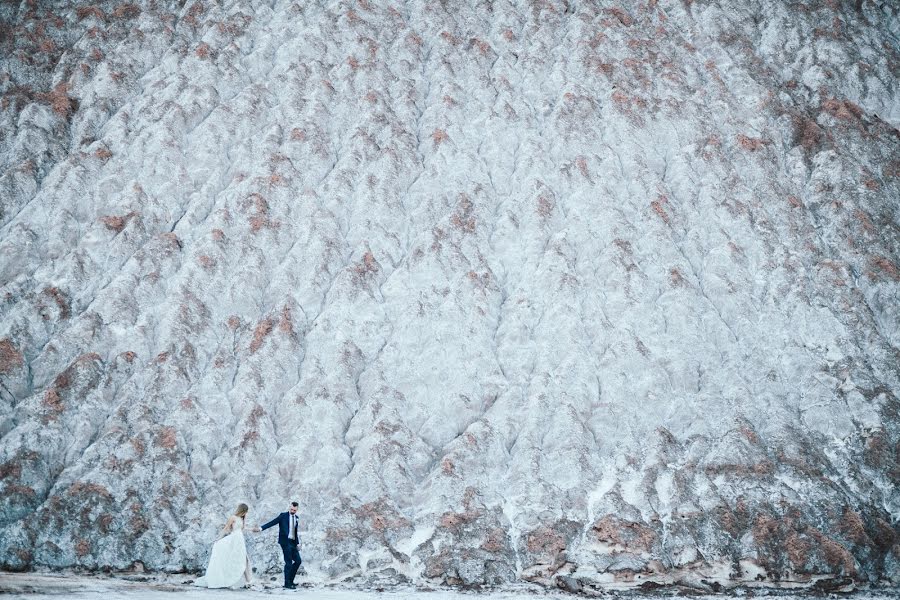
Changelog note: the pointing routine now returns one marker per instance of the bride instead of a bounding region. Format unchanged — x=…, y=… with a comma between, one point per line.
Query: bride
x=229, y=563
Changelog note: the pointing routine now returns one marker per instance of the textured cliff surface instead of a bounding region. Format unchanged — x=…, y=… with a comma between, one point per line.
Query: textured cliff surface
x=575, y=292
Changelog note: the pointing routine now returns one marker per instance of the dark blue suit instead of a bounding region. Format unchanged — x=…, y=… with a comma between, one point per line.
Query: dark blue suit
x=292, y=558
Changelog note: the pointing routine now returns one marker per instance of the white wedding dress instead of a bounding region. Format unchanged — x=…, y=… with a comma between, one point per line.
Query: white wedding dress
x=228, y=562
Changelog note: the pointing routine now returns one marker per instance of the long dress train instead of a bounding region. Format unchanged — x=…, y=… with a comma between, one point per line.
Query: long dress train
x=229, y=565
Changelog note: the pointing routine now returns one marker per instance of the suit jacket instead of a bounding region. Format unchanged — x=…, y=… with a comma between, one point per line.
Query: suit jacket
x=284, y=527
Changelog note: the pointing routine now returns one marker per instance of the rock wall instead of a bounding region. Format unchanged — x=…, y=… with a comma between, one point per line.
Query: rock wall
x=584, y=293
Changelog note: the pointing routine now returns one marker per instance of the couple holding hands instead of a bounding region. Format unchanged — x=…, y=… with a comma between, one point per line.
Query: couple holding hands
x=229, y=562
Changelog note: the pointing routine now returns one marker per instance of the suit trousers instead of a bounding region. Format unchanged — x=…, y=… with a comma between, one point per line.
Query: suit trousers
x=292, y=561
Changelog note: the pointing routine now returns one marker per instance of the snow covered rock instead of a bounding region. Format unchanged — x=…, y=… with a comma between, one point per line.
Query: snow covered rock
x=584, y=293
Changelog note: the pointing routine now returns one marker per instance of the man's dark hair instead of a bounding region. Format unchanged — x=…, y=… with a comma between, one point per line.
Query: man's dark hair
x=294, y=504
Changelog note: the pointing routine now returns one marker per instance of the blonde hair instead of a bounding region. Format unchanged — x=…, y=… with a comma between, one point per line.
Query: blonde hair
x=241, y=510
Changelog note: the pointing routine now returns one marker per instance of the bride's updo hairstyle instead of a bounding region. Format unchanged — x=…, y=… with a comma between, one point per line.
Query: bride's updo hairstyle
x=241, y=510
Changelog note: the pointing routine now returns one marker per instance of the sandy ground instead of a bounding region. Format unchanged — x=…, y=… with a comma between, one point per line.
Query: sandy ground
x=35, y=586
x=135, y=587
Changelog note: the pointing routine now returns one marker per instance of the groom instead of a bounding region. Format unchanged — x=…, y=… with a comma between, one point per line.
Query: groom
x=288, y=538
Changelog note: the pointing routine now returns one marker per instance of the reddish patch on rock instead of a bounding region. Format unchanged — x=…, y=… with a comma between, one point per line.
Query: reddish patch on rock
x=53, y=404
x=482, y=46
x=60, y=299
x=449, y=37
x=15, y=489
x=137, y=521
x=658, y=206
x=452, y=520
x=729, y=521
x=256, y=414
x=171, y=240
x=11, y=469
x=627, y=534
x=767, y=530
x=260, y=220
x=884, y=265
x=481, y=281
x=250, y=437
x=545, y=206
x=89, y=490
x=496, y=540
x=842, y=110
x=83, y=12
x=82, y=548
x=439, y=136
x=379, y=523
x=276, y=179
x=748, y=433
x=797, y=551
x=166, y=438
x=103, y=522
x=130, y=11
x=807, y=133
x=462, y=218
x=835, y=555
x=438, y=566
x=116, y=223
x=368, y=266
x=629, y=105
x=447, y=466
x=852, y=526
x=764, y=467
x=380, y=516
x=545, y=540
x=263, y=329
x=286, y=321
x=623, y=17
x=24, y=555
x=138, y=445
x=750, y=143
x=891, y=169
x=581, y=163
x=10, y=358
x=59, y=100
x=621, y=99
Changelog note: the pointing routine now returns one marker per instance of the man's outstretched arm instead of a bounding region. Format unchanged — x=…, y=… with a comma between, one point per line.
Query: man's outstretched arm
x=271, y=523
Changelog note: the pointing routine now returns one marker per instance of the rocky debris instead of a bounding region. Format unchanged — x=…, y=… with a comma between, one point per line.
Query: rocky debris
x=592, y=296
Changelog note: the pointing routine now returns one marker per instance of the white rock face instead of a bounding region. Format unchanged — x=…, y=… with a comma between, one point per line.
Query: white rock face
x=581, y=293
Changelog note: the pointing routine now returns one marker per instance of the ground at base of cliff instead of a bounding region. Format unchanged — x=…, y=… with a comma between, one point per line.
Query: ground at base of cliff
x=35, y=586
